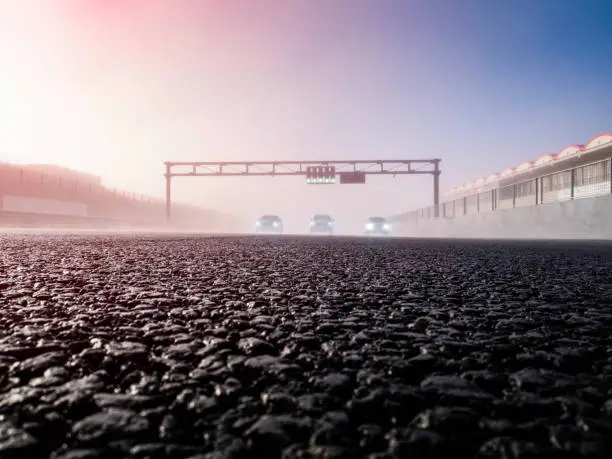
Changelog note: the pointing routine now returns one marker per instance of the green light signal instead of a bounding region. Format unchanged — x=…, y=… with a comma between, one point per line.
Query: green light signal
x=320, y=174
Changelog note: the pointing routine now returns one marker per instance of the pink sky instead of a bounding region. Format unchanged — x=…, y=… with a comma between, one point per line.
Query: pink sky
x=116, y=87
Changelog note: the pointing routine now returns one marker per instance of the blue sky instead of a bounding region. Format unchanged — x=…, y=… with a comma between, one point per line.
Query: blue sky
x=513, y=79
x=118, y=88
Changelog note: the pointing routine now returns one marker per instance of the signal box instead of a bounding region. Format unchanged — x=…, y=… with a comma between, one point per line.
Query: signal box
x=320, y=175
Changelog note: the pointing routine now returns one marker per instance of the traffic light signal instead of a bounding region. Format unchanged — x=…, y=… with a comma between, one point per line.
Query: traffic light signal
x=321, y=174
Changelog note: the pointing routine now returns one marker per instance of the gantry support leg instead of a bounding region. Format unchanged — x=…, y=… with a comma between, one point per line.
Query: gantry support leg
x=436, y=190
x=168, y=192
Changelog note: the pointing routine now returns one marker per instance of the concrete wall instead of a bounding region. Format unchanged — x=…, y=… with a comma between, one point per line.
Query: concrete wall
x=31, y=205
x=589, y=218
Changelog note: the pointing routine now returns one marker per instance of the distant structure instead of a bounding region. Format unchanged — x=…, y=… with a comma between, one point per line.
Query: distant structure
x=577, y=171
x=569, y=157
x=52, y=190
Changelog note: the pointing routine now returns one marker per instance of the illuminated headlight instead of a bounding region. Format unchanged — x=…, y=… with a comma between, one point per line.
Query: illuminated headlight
x=258, y=224
x=312, y=223
x=275, y=224
x=369, y=226
x=387, y=226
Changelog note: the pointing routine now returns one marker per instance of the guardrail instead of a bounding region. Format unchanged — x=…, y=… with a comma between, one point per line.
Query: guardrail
x=586, y=181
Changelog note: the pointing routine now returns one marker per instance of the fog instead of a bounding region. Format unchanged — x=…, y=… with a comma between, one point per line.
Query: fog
x=140, y=83
x=115, y=88
x=295, y=201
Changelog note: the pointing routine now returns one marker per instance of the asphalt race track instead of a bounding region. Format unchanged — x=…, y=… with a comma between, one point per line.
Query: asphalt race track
x=231, y=347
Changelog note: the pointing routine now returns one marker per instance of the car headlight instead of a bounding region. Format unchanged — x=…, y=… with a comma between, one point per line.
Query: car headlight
x=312, y=223
x=369, y=226
x=275, y=224
x=258, y=223
x=387, y=226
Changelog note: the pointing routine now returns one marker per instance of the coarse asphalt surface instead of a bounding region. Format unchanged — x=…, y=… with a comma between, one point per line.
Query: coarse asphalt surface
x=308, y=347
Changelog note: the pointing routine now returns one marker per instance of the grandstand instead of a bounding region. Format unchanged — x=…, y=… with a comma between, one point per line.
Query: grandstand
x=577, y=171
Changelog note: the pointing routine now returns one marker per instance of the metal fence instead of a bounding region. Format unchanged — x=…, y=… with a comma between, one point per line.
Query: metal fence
x=587, y=181
x=18, y=179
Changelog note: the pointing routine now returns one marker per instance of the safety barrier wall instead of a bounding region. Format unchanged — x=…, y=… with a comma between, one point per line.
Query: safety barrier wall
x=587, y=181
x=570, y=219
x=42, y=206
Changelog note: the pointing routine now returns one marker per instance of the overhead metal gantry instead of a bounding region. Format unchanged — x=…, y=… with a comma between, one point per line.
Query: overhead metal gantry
x=288, y=168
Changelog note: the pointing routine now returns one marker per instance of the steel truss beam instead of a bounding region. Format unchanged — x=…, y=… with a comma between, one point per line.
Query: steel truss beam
x=295, y=168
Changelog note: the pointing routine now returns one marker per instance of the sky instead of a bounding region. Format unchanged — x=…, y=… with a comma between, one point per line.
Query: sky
x=117, y=87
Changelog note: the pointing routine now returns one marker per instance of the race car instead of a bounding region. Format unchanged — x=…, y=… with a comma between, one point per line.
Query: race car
x=322, y=224
x=377, y=225
x=269, y=224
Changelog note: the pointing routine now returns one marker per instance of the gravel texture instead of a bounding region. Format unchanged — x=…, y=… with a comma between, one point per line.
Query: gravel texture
x=269, y=347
